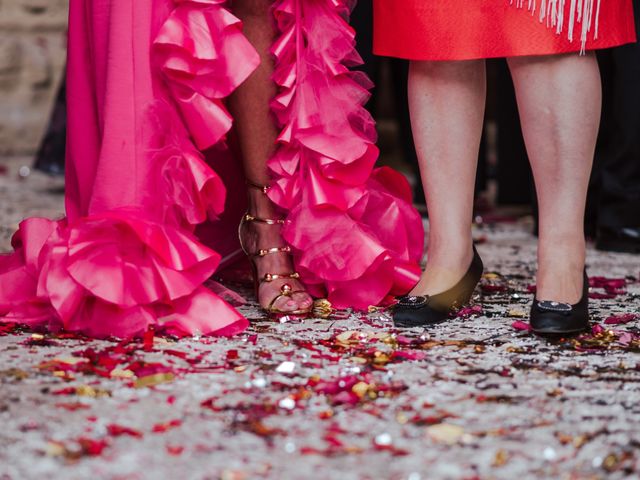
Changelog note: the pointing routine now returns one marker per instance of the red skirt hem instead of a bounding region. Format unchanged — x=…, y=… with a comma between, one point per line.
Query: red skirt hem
x=456, y=30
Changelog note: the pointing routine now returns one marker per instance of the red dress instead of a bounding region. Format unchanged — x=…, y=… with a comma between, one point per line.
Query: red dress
x=472, y=29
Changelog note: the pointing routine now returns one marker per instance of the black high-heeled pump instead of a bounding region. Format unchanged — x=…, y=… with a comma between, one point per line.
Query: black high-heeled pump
x=424, y=310
x=556, y=318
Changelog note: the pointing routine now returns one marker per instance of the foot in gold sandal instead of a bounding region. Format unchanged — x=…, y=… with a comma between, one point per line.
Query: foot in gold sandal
x=278, y=286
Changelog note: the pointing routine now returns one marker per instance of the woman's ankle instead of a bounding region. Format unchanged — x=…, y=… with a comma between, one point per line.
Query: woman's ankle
x=260, y=205
x=450, y=252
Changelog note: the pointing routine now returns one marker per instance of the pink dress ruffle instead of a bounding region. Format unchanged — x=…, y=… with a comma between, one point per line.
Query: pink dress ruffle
x=147, y=83
x=356, y=238
x=126, y=258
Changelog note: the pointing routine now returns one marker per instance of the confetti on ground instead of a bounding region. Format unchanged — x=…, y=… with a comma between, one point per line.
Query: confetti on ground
x=344, y=397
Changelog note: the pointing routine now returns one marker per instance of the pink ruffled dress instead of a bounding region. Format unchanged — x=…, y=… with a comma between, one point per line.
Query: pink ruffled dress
x=148, y=163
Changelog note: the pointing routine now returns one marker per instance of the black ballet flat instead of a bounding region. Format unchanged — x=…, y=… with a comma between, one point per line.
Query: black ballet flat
x=424, y=310
x=555, y=318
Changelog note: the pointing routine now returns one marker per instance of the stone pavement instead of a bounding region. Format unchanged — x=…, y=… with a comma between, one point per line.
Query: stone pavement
x=346, y=397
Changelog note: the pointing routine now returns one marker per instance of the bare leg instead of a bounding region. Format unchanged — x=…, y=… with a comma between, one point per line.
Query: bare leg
x=257, y=135
x=559, y=98
x=447, y=101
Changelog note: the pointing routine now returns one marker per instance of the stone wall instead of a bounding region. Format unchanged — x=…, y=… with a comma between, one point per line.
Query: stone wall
x=32, y=59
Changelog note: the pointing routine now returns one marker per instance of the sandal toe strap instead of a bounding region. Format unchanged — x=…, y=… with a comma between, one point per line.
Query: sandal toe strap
x=270, y=277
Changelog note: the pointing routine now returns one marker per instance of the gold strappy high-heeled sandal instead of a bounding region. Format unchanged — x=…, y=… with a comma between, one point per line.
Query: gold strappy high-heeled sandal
x=286, y=290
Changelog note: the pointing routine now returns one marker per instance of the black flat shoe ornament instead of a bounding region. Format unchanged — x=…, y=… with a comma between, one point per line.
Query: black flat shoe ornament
x=556, y=318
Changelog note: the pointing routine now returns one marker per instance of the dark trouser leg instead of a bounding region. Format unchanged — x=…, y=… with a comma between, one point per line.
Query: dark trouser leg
x=619, y=160
x=513, y=171
x=50, y=156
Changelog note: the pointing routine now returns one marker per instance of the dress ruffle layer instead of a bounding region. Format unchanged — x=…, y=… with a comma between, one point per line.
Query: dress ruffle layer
x=126, y=259
x=118, y=272
x=112, y=275
x=204, y=56
x=355, y=235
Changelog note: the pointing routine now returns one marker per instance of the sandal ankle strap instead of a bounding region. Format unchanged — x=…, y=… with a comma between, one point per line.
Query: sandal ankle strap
x=263, y=188
x=263, y=252
x=269, y=221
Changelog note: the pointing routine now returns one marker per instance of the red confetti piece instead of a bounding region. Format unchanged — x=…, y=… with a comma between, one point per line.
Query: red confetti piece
x=627, y=338
x=470, y=311
x=65, y=391
x=395, y=451
x=523, y=326
x=147, y=340
x=163, y=427
x=120, y=430
x=490, y=288
x=145, y=369
x=602, y=296
x=8, y=329
x=409, y=355
x=621, y=319
x=607, y=283
x=92, y=447
x=72, y=406
x=175, y=450
x=176, y=353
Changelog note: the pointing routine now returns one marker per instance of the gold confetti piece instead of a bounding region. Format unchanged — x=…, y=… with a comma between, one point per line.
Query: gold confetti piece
x=381, y=358
x=382, y=336
x=232, y=475
x=120, y=373
x=401, y=418
x=69, y=360
x=54, y=449
x=516, y=313
x=512, y=349
x=322, y=308
x=479, y=349
x=15, y=373
x=580, y=440
x=610, y=462
x=240, y=368
x=59, y=362
x=153, y=380
x=348, y=338
x=564, y=438
x=88, y=391
x=37, y=336
x=360, y=389
x=491, y=276
x=157, y=341
x=445, y=433
x=555, y=392
x=501, y=458
x=389, y=340
x=360, y=360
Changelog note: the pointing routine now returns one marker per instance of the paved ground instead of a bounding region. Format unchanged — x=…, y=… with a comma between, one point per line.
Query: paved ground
x=346, y=397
